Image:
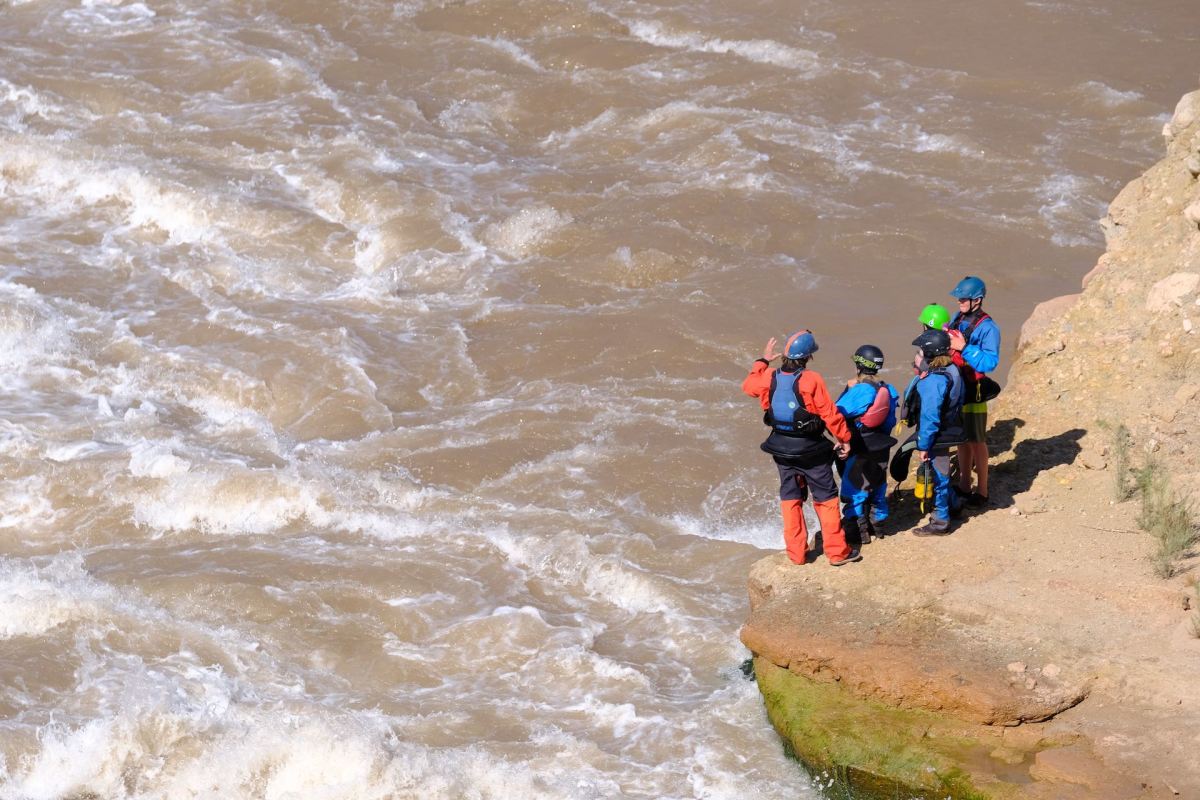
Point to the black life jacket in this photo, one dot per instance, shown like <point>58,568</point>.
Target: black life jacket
<point>796,433</point>
<point>950,425</point>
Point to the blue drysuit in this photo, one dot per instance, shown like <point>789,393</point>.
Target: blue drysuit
<point>864,480</point>
<point>938,427</point>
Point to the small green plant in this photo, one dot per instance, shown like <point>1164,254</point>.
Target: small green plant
<point>1166,516</point>
<point>1122,488</point>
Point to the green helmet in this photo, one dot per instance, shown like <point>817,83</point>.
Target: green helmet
<point>934,316</point>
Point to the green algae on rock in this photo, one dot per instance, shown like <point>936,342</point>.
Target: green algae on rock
<point>872,751</point>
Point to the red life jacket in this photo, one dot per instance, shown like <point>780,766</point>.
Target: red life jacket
<point>969,376</point>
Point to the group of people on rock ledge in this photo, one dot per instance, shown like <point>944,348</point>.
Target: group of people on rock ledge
<point>946,404</point>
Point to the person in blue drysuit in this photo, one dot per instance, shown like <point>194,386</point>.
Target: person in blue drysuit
<point>933,405</point>
<point>869,405</point>
<point>975,348</point>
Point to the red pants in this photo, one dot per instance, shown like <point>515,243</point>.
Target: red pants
<point>795,532</point>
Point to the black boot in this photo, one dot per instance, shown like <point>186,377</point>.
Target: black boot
<point>858,531</point>
<point>935,527</point>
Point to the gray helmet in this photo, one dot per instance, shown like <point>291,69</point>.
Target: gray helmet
<point>933,343</point>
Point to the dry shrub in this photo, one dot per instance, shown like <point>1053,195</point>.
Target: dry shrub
<point>1166,516</point>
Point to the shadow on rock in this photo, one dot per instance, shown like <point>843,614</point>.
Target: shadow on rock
<point>1031,457</point>
<point>1001,435</point>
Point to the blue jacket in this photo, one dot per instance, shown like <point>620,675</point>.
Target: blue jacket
<point>982,351</point>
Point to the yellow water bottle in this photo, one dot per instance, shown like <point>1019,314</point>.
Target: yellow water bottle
<point>924,487</point>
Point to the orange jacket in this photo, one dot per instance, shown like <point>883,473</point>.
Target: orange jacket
<point>812,391</point>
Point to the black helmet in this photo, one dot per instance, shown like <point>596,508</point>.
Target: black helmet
<point>933,343</point>
<point>868,358</point>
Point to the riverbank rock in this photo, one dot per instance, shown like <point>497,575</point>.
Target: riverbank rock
<point>1034,654</point>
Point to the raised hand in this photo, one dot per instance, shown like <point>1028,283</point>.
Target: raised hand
<point>771,350</point>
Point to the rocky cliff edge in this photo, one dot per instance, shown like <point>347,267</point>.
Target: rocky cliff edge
<point>1036,652</point>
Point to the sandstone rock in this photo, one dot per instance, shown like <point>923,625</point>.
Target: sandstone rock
<point>1044,314</point>
<point>1101,266</point>
<point>941,669</point>
<point>1051,670</point>
<point>1192,213</point>
<point>1034,354</point>
<point>1017,666</point>
<point>1187,111</point>
<point>1193,165</point>
<point>1077,765</point>
<point>1171,290</point>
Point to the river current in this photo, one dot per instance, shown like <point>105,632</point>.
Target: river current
<point>369,410</point>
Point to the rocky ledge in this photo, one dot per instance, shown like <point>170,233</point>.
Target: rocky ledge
<point>1035,653</point>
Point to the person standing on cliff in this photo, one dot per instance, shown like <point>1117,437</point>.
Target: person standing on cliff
<point>869,405</point>
<point>797,407</point>
<point>933,405</point>
<point>975,348</point>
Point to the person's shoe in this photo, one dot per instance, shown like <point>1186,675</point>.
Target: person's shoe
<point>854,556</point>
<point>976,500</point>
<point>861,528</point>
<point>935,527</point>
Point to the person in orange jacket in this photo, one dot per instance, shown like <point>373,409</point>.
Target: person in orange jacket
<point>799,410</point>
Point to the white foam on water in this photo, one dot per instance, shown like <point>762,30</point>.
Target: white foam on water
<point>24,506</point>
<point>566,560</point>
<point>35,600</point>
<point>25,102</point>
<point>1110,97</point>
<point>150,460</point>
<point>942,143</point>
<point>67,183</point>
<point>32,332</point>
<point>229,501</point>
<point>621,720</point>
<point>765,535</point>
<point>513,51</point>
<point>250,752</point>
<point>762,51</point>
<point>112,17</point>
<point>75,451</point>
<point>1064,200</point>
<point>585,666</point>
<point>600,125</point>
<point>519,235</point>
<point>432,597</point>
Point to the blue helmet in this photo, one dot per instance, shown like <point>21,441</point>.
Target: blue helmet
<point>969,287</point>
<point>800,344</point>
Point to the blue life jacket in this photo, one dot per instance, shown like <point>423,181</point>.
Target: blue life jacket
<point>788,415</point>
<point>797,435</point>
